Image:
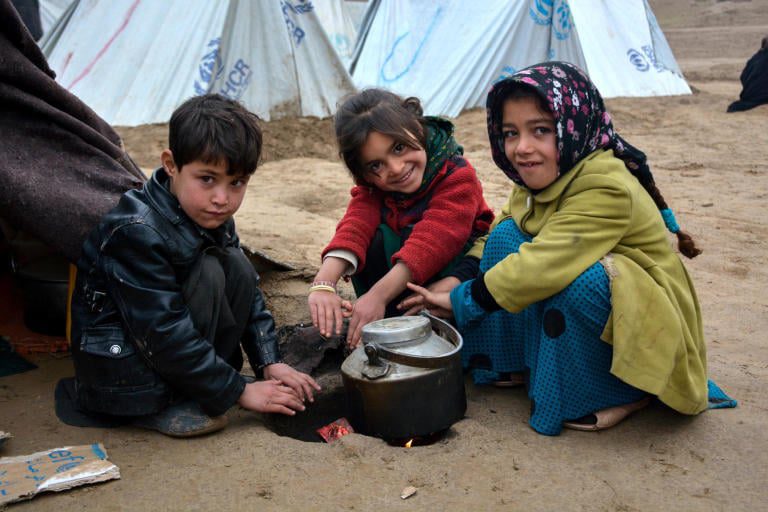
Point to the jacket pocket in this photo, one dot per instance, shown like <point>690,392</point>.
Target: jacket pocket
<point>106,360</point>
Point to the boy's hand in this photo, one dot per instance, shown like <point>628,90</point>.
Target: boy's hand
<point>438,302</point>
<point>367,309</point>
<point>325,308</point>
<point>270,396</point>
<point>416,302</point>
<point>301,383</point>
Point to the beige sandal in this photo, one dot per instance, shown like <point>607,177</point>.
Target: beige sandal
<point>607,418</point>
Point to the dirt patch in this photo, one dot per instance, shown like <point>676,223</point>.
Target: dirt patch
<point>290,137</point>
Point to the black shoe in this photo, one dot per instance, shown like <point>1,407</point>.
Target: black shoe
<point>185,419</point>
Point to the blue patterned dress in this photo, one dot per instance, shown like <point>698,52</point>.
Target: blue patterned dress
<point>555,341</point>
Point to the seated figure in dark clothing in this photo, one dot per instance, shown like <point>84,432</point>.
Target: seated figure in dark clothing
<point>29,10</point>
<point>754,80</point>
<point>165,298</point>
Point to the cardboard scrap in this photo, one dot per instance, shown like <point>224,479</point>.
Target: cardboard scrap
<point>23,477</point>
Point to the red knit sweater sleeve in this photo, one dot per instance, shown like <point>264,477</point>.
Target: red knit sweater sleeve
<point>355,230</point>
<point>456,207</point>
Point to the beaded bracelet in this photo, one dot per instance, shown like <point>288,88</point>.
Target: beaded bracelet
<point>323,283</point>
<point>322,288</point>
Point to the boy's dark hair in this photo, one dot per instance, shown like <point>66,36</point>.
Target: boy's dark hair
<point>380,111</point>
<point>212,128</point>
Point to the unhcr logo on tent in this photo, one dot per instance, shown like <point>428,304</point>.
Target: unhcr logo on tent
<point>238,79</point>
<point>564,25</point>
<point>645,59</point>
<point>210,67</point>
<point>211,70</point>
<point>543,13</point>
<point>296,32</point>
<point>342,44</point>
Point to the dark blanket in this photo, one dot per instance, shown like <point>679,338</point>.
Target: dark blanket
<point>61,166</point>
<point>754,80</point>
<point>29,10</point>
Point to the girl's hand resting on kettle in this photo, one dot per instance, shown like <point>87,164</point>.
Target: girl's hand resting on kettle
<point>436,299</point>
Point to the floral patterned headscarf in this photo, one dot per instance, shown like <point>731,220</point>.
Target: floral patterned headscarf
<point>583,126</point>
<point>582,122</point>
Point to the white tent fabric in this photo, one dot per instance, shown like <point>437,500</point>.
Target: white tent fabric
<point>51,11</point>
<point>449,52</point>
<point>335,18</point>
<point>356,10</point>
<point>135,61</point>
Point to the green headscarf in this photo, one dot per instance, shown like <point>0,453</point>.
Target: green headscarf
<point>440,146</point>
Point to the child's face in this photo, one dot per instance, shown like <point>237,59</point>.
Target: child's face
<point>392,166</point>
<point>206,193</point>
<point>530,142</point>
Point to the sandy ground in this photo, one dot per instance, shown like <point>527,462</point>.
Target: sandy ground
<point>710,166</point>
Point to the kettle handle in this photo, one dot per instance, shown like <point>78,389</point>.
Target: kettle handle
<point>443,328</point>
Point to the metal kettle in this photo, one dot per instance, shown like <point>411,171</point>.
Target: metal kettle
<point>405,379</point>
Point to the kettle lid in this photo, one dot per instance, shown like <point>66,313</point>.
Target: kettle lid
<point>398,329</point>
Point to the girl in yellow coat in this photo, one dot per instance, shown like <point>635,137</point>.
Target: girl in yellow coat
<point>576,291</point>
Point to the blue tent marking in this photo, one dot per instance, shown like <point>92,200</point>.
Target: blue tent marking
<point>416,53</point>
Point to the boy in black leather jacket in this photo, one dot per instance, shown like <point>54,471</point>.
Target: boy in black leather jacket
<point>165,297</point>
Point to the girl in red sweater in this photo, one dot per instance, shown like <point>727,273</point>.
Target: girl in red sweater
<point>416,207</point>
